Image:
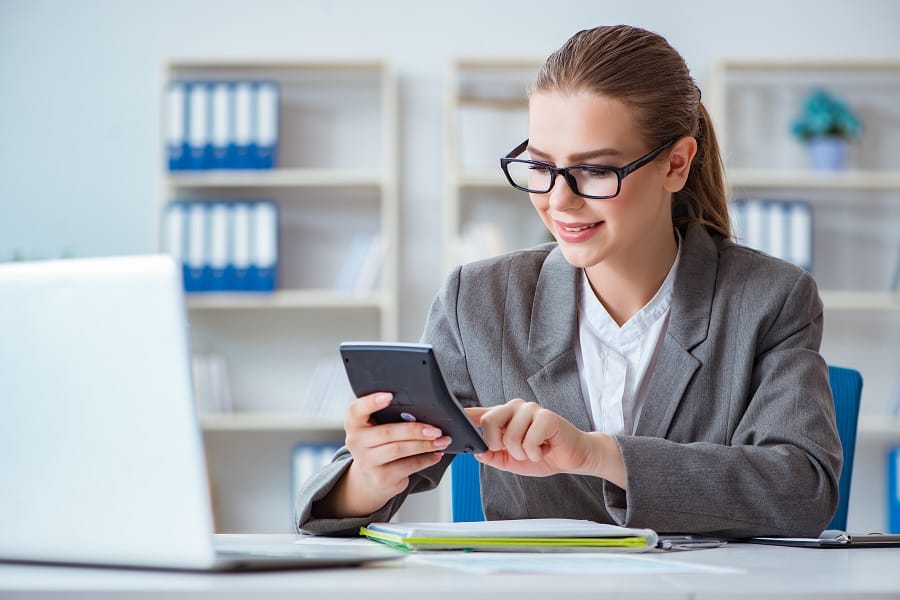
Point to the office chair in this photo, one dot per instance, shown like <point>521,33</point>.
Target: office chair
<point>846,387</point>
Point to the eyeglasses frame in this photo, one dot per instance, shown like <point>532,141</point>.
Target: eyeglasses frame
<point>621,172</point>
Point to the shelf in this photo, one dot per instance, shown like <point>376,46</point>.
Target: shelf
<point>875,427</point>
<point>860,300</point>
<point>483,178</point>
<point>804,179</point>
<point>287,299</point>
<point>276,178</point>
<point>270,422</point>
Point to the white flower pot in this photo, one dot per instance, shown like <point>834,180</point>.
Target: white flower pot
<point>827,154</point>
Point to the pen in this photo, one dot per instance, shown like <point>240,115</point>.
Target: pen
<point>689,542</point>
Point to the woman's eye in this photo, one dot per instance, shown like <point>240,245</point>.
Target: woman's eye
<point>596,173</point>
<point>538,168</point>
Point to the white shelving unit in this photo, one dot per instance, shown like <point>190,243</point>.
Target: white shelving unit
<point>486,110</point>
<point>856,222</point>
<point>336,178</point>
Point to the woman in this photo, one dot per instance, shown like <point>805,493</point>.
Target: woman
<point>643,370</point>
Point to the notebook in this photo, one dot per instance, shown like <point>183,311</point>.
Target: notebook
<point>522,535</point>
<point>102,454</point>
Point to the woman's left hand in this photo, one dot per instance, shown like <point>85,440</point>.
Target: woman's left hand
<point>527,439</point>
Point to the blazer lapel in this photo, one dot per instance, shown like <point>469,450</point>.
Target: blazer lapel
<point>688,326</point>
<point>552,337</point>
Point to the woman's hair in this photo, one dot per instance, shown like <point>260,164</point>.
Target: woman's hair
<point>640,69</point>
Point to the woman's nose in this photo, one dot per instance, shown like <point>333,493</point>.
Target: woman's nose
<point>562,197</point>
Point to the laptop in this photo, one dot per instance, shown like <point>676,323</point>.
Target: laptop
<point>102,454</point>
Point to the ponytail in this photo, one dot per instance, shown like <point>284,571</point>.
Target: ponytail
<point>703,198</point>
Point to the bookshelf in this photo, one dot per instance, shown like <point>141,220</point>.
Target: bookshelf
<point>335,179</point>
<point>486,114</point>
<point>856,222</point>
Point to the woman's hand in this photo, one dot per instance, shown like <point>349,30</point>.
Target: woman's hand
<point>526,439</point>
<point>384,456</point>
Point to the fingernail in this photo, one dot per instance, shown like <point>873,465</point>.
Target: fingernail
<point>431,432</point>
<point>443,442</point>
<point>384,397</point>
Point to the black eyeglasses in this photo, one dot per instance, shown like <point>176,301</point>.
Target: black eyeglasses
<point>588,181</point>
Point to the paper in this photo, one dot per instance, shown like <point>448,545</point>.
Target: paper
<point>592,563</point>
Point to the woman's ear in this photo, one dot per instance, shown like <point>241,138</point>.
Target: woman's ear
<point>679,166</point>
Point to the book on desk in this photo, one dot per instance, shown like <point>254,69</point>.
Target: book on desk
<point>525,535</point>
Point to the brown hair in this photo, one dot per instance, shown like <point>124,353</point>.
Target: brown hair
<point>641,69</point>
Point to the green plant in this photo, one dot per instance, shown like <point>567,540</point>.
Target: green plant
<point>825,116</point>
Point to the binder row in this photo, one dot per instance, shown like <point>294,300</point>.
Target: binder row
<point>222,125</point>
<point>780,228</point>
<point>224,245</point>
<point>306,459</point>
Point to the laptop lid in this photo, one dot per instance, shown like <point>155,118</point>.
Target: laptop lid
<point>102,455</point>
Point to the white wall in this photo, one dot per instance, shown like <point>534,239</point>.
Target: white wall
<point>80,156</point>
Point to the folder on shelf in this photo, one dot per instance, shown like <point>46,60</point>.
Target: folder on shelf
<point>219,247</point>
<point>265,144</point>
<point>176,126</point>
<point>239,270</point>
<point>199,139</point>
<point>221,132</point>
<point>243,119</point>
<point>524,535</point>
<point>196,255</point>
<point>264,253</point>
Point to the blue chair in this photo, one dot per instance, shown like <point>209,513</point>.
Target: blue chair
<point>846,387</point>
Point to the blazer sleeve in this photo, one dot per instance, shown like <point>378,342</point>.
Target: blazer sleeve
<point>442,331</point>
<point>777,475</point>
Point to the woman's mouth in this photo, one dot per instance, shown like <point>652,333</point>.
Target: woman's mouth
<point>576,232</point>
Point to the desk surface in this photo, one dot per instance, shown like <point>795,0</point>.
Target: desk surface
<point>754,571</point>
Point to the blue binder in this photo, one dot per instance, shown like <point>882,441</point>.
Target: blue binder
<point>265,145</point>
<point>176,126</point>
<point>264,249</point>
<point>221,131</point>
<point>196,256</point>
<point>241,243</point>
<point>219,250</point>
<point>199,138</point>
<point>243,126</point>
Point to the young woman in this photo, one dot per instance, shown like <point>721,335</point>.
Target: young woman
<point>643,370</point>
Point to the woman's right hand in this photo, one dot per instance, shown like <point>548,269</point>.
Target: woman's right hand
<point>384,456</point>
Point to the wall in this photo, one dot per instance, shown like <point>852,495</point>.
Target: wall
<point>80,84</point>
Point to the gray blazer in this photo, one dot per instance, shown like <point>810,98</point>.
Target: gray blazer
<point>737,435</point>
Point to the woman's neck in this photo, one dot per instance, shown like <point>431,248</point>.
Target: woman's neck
<point>625,284</point>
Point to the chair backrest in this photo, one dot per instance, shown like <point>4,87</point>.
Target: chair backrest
<point>846,387</point>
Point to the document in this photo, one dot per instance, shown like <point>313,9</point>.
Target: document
<point>834,539</point>
<point>518,535</point>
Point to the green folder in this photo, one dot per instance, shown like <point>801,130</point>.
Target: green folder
<point>519,535</point>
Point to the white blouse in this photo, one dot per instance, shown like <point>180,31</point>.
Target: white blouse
<point>614,362</point>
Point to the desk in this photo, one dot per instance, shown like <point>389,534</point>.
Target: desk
<point>768,571</point>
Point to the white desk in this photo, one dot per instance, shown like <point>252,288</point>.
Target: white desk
<point>766,571</point>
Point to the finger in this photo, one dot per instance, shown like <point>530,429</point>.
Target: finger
<point>390,453</point>
<point>361,408</point>
<point>475,413</point>
<point>544,425</point>
<point>493,423</point>
<point>364,439</point>
<point>517,428</point>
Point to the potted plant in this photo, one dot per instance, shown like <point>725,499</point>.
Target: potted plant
<point>826,125</point>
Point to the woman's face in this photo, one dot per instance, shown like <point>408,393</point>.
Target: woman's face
<point>586,128</point>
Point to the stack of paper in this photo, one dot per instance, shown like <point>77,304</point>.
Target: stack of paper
<point>525,535</point>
